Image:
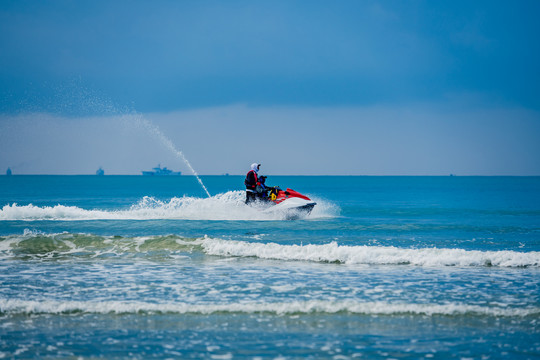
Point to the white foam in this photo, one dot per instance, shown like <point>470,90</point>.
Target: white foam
<point>327,253</point>
<point>19,306</point>
<point>58,212</point>
<point>373,255</point>
<point>225,206</point>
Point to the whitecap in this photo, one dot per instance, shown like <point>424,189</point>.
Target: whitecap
<point>371,255</point>
<point>20,306</point>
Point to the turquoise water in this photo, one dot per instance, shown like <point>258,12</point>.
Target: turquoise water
<point>384,267</point>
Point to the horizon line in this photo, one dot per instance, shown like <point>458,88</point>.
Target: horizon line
<point>342,175</point>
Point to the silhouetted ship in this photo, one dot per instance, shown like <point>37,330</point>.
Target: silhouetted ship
<point>161,171</point>
<point>100,172</point>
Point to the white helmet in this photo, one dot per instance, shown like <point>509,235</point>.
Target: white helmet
<point>255,167</point>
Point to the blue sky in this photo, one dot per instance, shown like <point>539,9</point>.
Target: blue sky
<point>354,87</point>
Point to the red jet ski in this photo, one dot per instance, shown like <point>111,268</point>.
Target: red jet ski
<point>289,201</point>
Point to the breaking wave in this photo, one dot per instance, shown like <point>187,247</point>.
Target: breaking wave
<point>373,255</point>
<point>226,206</point>
<point>34,245</point>
<point>16,306</point>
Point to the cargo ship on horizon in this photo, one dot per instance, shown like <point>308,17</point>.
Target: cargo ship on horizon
<point>161,171</point>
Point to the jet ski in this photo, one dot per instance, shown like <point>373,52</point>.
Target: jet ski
<point>289,202</point>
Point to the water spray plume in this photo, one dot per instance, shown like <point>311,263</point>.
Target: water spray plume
<point>154,130</point>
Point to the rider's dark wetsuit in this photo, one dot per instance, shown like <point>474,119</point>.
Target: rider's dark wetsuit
<point>251,186</point>
<point>251,182</point>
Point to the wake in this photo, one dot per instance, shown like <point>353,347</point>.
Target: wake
<point>225,206</point>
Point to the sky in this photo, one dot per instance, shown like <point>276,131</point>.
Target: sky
<point>303,87</point>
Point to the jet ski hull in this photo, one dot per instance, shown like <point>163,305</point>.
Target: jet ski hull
<point>291,204</point>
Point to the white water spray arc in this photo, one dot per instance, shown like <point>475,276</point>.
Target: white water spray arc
<point>154,130</point>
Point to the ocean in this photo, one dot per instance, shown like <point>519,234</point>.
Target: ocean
<point>384,267</point>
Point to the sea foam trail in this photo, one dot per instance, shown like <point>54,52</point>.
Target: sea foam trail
<point>16,306</point>
<point>372,255</point>
<point>225,206</point>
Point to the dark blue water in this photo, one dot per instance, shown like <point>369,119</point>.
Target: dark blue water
<point>384,267</point>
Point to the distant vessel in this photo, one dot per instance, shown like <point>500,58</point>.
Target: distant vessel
<point>100,172</point>
<point>161,171</point>
<point>8,172</point>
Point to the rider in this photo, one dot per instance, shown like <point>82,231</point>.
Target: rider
<point>251,183</point>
